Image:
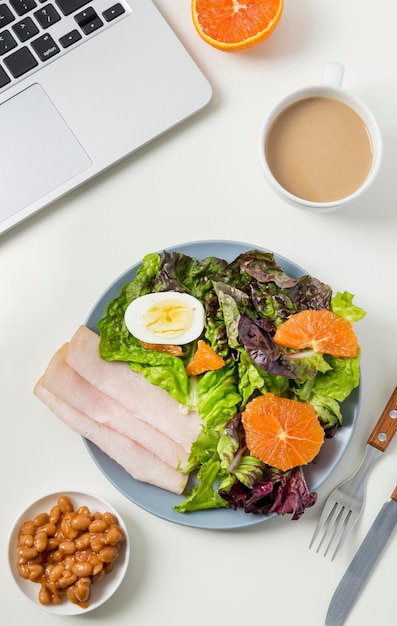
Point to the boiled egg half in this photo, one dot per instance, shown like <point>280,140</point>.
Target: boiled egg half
<point>166,317</point>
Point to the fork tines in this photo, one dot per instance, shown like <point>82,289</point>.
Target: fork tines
<point>336,522</point>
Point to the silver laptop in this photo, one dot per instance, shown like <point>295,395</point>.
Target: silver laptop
<point>82,85</point>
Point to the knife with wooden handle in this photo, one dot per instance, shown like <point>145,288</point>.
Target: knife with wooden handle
<point>357,573</point>
<point>386,426</point>
<point>377,443</point>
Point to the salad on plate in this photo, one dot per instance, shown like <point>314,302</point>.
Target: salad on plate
<point>246,301</point>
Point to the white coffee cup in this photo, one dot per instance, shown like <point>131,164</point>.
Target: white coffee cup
<point>310,183</point>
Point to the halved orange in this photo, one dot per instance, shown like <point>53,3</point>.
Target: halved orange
<point>236,24</point>
<point>204,360</point>
<point>321,330</point>
<point>281,432</point>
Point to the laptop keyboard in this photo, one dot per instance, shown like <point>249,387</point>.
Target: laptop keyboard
<point>36,32</point>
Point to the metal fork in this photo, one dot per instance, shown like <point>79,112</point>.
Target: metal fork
<point>345,503</point>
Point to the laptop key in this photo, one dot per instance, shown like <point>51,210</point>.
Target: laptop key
<point>4,78</point>
<point>20,62</point>
<point>6,15</point>
<point>25,29</point>
<point>70,38</point>
<point>68,6</point>
<point>45,47</point>
<point>47,16</point>
<point>23,6</point>
<point>115,11</point>
<point>88,21</point>
<point>7,42</point>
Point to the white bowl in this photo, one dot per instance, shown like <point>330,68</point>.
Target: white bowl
<point>102,590</point>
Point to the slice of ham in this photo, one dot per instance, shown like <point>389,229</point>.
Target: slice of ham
<point>147,402</point>
<point>65,383</point>
<point>139,462</point>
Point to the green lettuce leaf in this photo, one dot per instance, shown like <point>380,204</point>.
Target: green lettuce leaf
<point>328,411</point>
<point>340,380</point>
<point>342,304</point>
<point>234,456</point>
<point>205,494</point>
<point>217,396</point>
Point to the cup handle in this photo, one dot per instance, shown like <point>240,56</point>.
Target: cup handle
<point>333,74</point>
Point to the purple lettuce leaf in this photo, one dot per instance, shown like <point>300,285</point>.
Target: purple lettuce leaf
<point>262,350</point>
<point>263,267</point>
<point>281,493</point>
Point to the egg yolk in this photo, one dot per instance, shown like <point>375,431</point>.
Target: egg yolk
<point>169,318</point>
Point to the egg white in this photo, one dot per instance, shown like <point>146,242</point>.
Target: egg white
<point>134,317</point>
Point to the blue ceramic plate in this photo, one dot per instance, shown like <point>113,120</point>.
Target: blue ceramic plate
<point>160,502</point>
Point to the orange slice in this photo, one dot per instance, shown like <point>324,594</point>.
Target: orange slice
<point>236,24</point>
<point>323,331</point>
<point>282,433</point>
<point>204,360</point>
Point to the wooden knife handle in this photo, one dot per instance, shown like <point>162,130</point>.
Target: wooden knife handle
<point>394,494</point>
<point>386,426</point>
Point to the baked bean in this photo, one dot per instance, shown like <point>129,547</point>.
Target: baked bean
<point>114,535</point>
<point>40,519</point>
<point>97,564</point>
<point>98,526</point>
<point>66,580</point>
<point>56,598</point>
<point>84,510</point>
<point>67,551</point>
<point>68,561</point>
<point>67,547</point>
<point>109,518</point>
<point>49,528</point>
<point>52,543</point>
<point>28,528</point>
<point>82,589</point>
<point>55,573</point>
<point>48,567</point>
<point>65,504</point>
<point>84,568</point>
<point>44,595</point>
<point>84,555</point>
<point>23,570</point>
<point>83,541</point>
<point>52,588</point>
<point>55,514</point>
<point>36,571</point>
<point>71,594</point>
<point>56,556</point>
<point>108,554</point>
<point>40,541</point>
<point>38,558</point>
<point>26,541</point>
<point>66,527</point>
<point>97,541</point>
<point>27,553</point>
<point>81,521</point>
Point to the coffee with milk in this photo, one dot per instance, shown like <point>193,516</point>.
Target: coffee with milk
<point>319,149</point>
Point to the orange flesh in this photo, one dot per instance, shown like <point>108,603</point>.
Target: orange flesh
<point>234,24</point>
<point>282,433</point>
<point>204,360</point>
<point>323,331</point>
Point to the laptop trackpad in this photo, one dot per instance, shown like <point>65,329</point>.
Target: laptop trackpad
<point>38,150</point>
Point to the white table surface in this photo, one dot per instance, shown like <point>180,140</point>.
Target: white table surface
<point>203,181</point>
